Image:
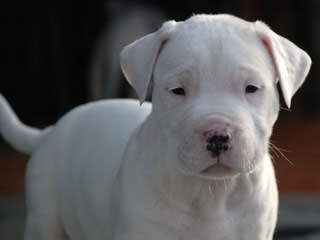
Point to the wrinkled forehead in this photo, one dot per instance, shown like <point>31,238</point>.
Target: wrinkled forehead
<point>209,45</point>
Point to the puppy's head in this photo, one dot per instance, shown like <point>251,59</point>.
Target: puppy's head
<point>213,81</point>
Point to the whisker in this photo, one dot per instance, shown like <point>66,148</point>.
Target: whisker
<point>279,152</point>
<point>272,148</point>
<point>272,158</point>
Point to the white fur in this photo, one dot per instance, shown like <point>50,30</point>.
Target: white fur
<point>114,170</point>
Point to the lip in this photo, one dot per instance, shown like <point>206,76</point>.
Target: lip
<point>217,167</point>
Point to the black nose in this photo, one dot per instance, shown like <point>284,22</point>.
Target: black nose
<point>218,143</point>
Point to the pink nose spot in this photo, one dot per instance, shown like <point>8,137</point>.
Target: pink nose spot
<point>223,134</point>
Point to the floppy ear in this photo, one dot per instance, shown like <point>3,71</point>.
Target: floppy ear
<point>292,64</point>
<point>138,59</point>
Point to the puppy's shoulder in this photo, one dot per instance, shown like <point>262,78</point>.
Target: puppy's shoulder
<point>121,114</point>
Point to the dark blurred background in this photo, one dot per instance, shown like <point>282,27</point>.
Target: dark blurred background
<point>57,54</point>
<point>46,46</point>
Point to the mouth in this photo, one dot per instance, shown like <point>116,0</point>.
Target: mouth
<point>216,167</point>
<point>218,171</point>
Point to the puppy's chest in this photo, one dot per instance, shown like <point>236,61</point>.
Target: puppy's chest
<point>208,224</point>
<point>203,223</point>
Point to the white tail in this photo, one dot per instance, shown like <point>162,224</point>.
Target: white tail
<point>18,135</point>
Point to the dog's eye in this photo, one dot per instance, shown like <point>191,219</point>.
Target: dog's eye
<point>178,91</point>
<point>251,89</point>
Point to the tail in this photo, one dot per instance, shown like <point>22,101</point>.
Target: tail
<point>18,135</point>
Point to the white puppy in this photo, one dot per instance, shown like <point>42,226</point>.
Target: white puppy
<point>195,166</point>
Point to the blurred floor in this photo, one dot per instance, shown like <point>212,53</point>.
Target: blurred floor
<point>299,181</point>
<point>12,217</point>
<point>299,217</point>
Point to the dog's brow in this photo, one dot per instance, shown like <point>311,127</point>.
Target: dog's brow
<point>249,72</point>
<point>181,75</point>
<point>185,74</point>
